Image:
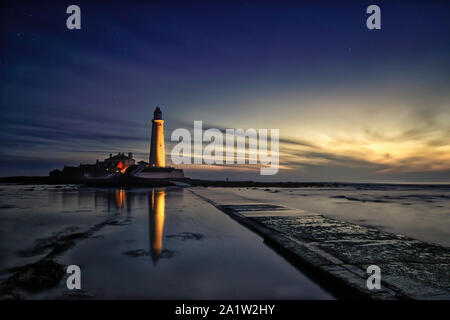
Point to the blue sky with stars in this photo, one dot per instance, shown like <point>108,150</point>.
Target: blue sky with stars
<point>351,104</point>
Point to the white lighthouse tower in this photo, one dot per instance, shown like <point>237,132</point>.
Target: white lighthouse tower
<point>156,168</point>
<point>157,151</point>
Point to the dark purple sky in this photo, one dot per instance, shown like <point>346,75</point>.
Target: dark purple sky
<point>350,103</point>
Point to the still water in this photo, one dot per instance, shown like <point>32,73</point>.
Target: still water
<point>420,212</point>
<point>144,244</point>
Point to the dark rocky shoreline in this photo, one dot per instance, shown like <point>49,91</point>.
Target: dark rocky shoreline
<point>337,253</point>
<point>129,181</point>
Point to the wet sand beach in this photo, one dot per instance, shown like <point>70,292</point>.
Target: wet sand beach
<point>138,243</point>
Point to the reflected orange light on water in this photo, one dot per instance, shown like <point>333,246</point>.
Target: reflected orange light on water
<point>156,217</point>
<point>120,198</point>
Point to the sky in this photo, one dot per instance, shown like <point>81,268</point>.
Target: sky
<point>351,104</point>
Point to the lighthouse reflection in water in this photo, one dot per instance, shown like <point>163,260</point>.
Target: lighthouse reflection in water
<point>156,222</point>
<point>156,215</point>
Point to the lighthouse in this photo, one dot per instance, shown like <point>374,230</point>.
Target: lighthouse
<point>157,151</point>
<point>156,168</point>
